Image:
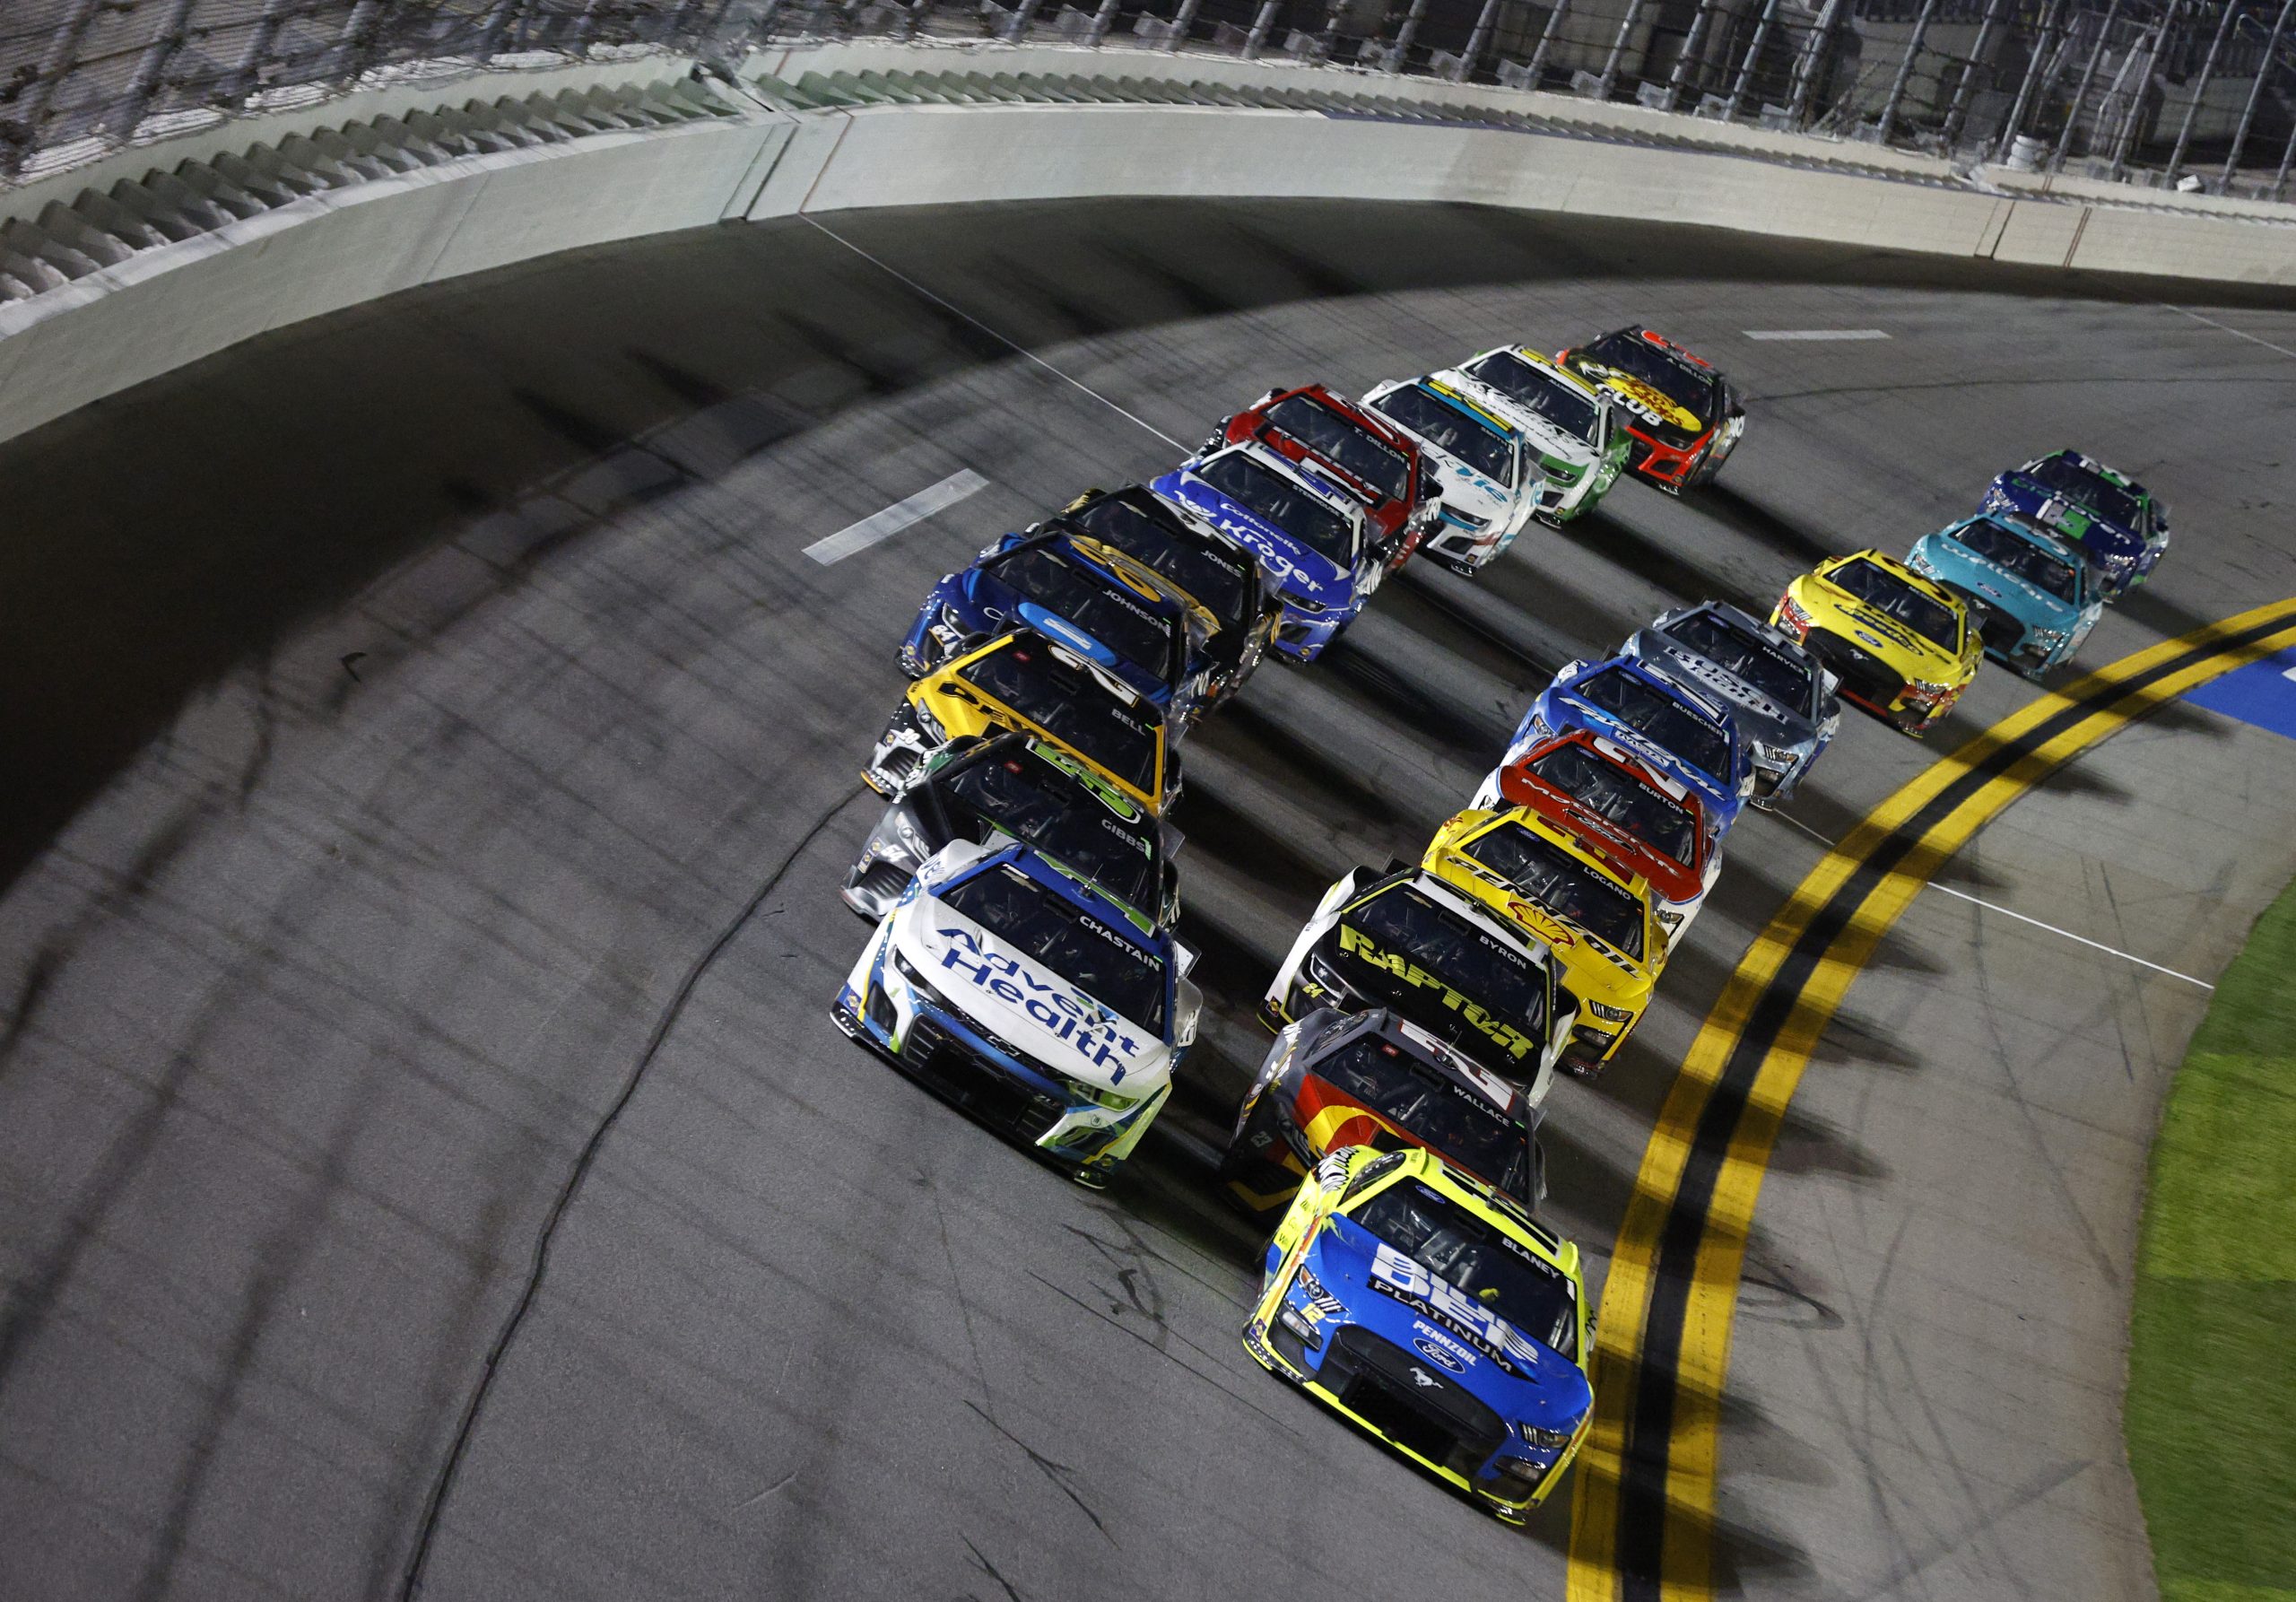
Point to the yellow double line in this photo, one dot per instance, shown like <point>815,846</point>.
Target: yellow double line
<point>1643,1513</point>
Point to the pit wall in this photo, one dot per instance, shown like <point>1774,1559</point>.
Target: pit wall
<point>178,302</point>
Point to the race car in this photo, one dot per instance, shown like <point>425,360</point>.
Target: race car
<point>1901,645</point>
<point>1574,432</point>
<point>1594,914</point>
<point>2114,520</point>
<point>1650,825</point>
<point>1338,1079</point>
<point>1214,575</point>
<point>1782,701</point>
<point>1014,990</point>
<point>1683,417</point>
<point>1023,681</point>
<point>1096,601</point>
<point>1361,453</point>
<point>1309,538</point>
<point>1491,482</point>
<point>1016,787</point>
<point>1435,1312</point>
<point>1685,733</point>
<point>1407,941</point>
<point>2033,600</point>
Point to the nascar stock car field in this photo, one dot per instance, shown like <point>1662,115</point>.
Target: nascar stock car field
<point>981,999</point>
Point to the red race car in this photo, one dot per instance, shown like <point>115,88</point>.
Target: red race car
<point>1357,451</point>
<point>1682,416</point>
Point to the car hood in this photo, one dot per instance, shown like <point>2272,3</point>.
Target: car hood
<point>985,591</point>
<point>1964,568</point>
<point>1470,491</point>
<point>1290,566</point>
<point>1757,716</point>
<point>1463,1342</point>
<point>1645,400</point>
<point>1560,709</point>
<point>1025,1004</point>
<point>1425,999</point>
<point>2062,517</point>
<point>1872,627</point>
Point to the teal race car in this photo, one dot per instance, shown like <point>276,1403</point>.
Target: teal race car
<point>2033,598</point>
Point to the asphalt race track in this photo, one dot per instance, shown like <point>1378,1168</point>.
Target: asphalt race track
<point>431,758</point>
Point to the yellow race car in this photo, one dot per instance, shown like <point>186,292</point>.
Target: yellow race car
<point>1434,1311</point>
<point>1023,681</point>
<point>1593,912</point>
<point>1903,648</point>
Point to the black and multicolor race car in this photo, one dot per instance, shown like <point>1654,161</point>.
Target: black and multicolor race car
<point>1682,415</point>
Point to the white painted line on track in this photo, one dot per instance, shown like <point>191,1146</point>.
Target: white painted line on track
<point>997,335</point>
<point>1978,901</point>
<point>2228,328</point>
<point>1815,334</point>
<point>856,537</point>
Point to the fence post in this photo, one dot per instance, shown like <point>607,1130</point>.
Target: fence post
<point>1752,58</point>
<point>2255,92</point>
<point>1256,39</point>
<point>1805,66</point>
<point>56,63</point>
<point>1103,20</point>
<point>1905,70</point>
<point>490,34</point>
<point>1691,42</point>
<point>1545,46</point>
<point>2088,77</point>
<point>1405,34</point>
<point>1958,112</point>
<point>1618,46</point>
<point>2199,92</point>
<point>151,69</point>
<point>1479,38</point>
<point>1023,16</point>
<point>2136,112</point>
<point>2040,63</point>
<point>1182,23</point>
<point>2287,157</point>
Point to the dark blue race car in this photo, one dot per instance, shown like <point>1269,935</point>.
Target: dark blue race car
<point>2113,520</point>
<point>1077,593</point>
<point>1681,734</point>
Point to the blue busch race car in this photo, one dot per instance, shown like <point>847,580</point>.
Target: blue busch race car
<point>1685,733</point>
<point>1782,701</point>
<point>1308,535</point>
<point>1433,1311</point>
<point>1076,592</point>
<point>2113,520</point>
<point>2032,599</point>
<point>1015,990</point>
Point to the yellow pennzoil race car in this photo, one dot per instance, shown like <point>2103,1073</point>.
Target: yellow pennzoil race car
<point>1596,916</point>
<point>1023,681</point>
<point>1902,645</point>
<point>1434,1311</point>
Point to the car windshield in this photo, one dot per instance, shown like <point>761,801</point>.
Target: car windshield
<point>1539,392</point>
<point>1619,796</point>
<point>1430,1106</point>
<point>2084,488</point>
<point>1561,884</point>
<point>1686,386</point>
<point>1075,708</point>
<point>1100,608</point>
<point>1090,827</point>
<point>1887,593</point>
<point>1219,581</point>
<point>1360,453</point>
<point>1450,975</point>
<point>1269,495</point>
<point>1080,948</point>
<point>1747,656</point>
<point>1452,430</point>
<point>1675,727</point>
<point>1474,1255</point>
<point>2010,551</point>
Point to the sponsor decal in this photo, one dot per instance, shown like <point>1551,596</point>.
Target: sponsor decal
<point>1503,1035</point>
<point>1108,795</point>
<point>1278,551</point>
<point>1420,1376</point>
<point>1452,1310</point>
<point>1441,1349</point>
<point>1069,1015</point>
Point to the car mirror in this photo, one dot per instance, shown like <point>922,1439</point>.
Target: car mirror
<point>1186,1014</point>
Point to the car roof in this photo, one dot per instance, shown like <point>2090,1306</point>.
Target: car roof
<point>1438,1172</point>
<point>1072,887</point>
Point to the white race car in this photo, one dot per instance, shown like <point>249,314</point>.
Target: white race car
<point>1569,425</point>
<point>1491,478</point>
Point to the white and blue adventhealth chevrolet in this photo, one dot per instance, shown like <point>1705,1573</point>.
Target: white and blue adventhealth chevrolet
<point>1308,534</point>
<point>1012,989</point>
<point>1491,478</point>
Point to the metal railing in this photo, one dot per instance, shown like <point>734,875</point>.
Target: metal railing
<point>2201,90</point>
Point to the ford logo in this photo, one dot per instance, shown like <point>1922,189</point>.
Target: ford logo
<point>1439,1356</point>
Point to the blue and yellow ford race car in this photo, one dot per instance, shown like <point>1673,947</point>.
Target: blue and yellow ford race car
<point>2114,520</point>
<point>1678,731</point>
<point>2032,599</point>
<point>1079,592</point>
<point>1435,1312</point>
<point>1014,989</point>
<point>1308,535</point>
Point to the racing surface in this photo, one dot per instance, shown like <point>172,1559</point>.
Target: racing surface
<point>432,761</point>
